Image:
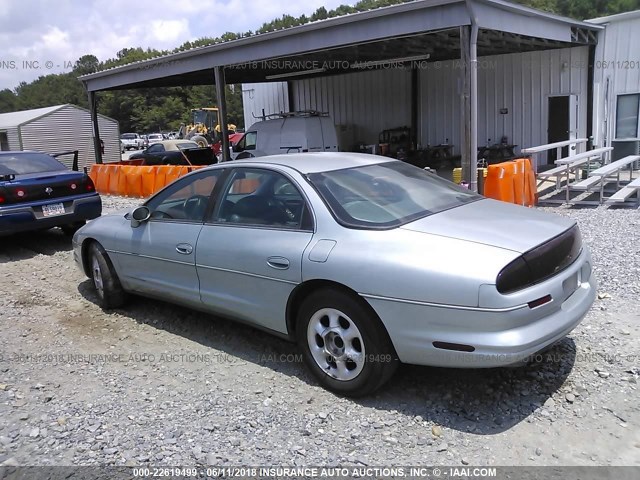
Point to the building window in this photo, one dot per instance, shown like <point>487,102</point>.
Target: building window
<point>627,116</point>
<point>4,142</point>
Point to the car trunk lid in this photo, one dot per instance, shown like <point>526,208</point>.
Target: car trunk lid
<point>44,186</point>
<point>494,223</point>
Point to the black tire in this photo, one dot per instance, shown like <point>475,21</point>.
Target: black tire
<point>378,358</point>
<point>105,280</point>
<point>200,140</point>
<point>72,228</point>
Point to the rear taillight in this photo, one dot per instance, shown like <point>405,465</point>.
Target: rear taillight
<point>89,186</point>
<point>541,263</point>
<point>514,276</point>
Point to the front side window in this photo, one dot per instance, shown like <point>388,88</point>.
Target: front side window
<point>185,200</point>
<point>627,111</point>
<point>248,142</point>
<point>386,195</point>
<point>264,198</point>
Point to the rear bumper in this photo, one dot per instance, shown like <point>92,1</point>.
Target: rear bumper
<point>30,217</point>
<point>499,337</point>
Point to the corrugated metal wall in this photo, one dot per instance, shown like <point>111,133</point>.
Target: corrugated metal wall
<point>521,83</point>
<point>270,97</point>
<point>69,128</point>
<point>370,102</point>
<point>616,69</point>
<point>365,103</point>
<point>13,138</point>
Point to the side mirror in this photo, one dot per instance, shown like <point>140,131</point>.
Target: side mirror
<point>236,148</point>
<point>139,215</point>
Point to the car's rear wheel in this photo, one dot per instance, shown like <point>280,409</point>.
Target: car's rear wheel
<point>72,228</point>
<point>105,279</point>
<point>344,344</point>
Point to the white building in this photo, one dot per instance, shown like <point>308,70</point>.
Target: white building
<point>58,129</point>
<point>531,98</point>
<point>517,93</point>
<point>617,84</point>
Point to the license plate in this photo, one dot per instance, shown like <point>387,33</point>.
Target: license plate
<point>53,209</point>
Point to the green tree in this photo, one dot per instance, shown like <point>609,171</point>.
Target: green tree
<point>8,101</point>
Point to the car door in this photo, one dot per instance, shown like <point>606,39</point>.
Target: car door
<point>160,253</point>
<point>249,253</point>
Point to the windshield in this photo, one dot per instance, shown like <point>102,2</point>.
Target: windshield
<point>206,117</point>
<point>25,163</point>
<point>387,195</point>
<point>155,136</point>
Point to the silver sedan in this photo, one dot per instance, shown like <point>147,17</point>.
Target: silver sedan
<point>364,261</point>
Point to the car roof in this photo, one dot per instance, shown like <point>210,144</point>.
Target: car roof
<point>319,161</point>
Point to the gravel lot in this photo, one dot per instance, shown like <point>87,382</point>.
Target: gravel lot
<point>161,385</point>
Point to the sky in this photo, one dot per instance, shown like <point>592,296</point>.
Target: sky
<point>39,37</point>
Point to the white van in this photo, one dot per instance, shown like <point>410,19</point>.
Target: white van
<point>289,133</point>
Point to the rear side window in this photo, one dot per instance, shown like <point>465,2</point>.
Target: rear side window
<point>27,163</point>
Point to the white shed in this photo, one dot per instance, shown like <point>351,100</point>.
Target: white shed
<point>58,129</point>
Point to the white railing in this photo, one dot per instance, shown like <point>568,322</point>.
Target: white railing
<point>531,151</point>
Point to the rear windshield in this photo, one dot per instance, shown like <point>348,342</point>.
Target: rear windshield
<point>25,163</point>
<point>128,136</point>
<point>187,145</point>
<point>387,195</point>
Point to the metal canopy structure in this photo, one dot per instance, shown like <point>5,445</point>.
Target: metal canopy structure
<point>391,37</point>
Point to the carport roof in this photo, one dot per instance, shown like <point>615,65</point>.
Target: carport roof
<point>420,30</point>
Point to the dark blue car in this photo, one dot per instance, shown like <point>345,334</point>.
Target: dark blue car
<point>38,192</point>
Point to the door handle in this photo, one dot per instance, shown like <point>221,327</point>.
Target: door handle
<point>184,248</point>
<point>279,263</point>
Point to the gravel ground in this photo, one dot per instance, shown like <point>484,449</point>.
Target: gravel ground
<point>161,385</point>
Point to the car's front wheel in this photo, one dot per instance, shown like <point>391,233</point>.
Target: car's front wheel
<point>344,344</point>
<point>105,278</point>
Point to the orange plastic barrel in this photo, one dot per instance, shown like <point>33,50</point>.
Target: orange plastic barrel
<point>173,173</point>
<point>518,181</point>
<point>531,190</point>
<point>160,178</point>
<point>93,172</point>
<point>133,175</point>
<point>102,179</point>
<point>499,182</point>
<point>114,179</point>
<point>148,180</point>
